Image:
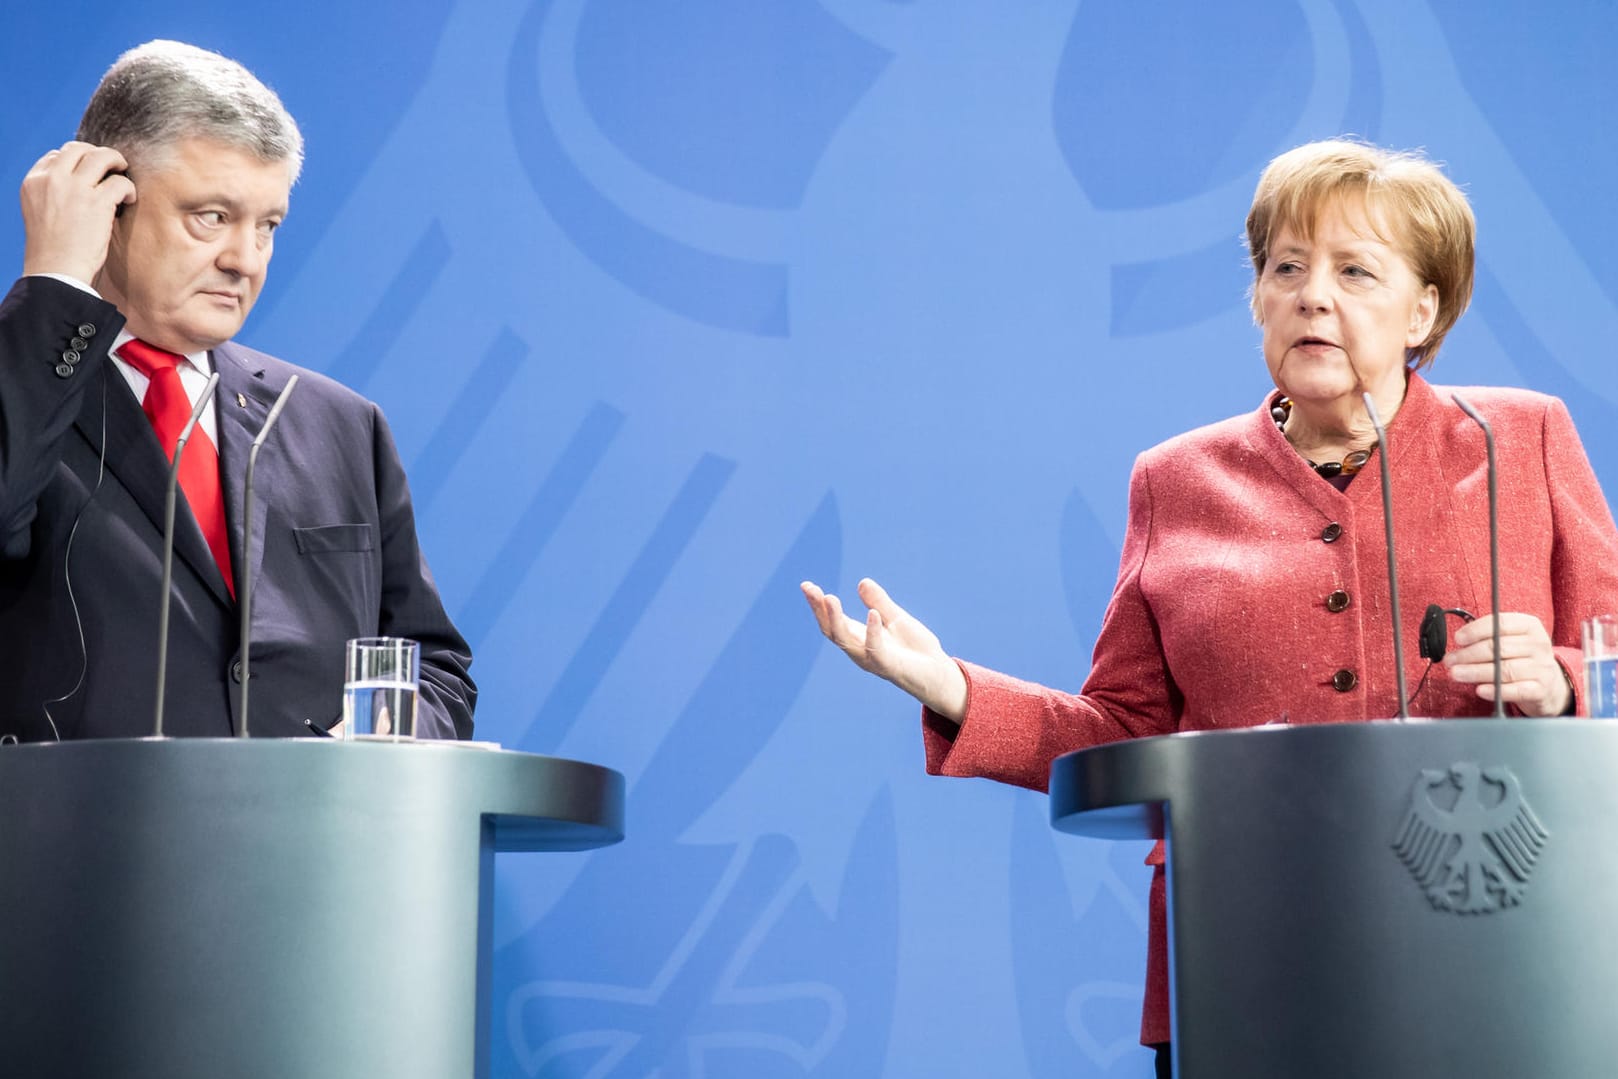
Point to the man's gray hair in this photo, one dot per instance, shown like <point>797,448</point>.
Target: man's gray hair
<point>161,92</point>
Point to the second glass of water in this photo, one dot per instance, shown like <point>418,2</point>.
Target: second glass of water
<point>1601,666</point>
<point>380,685</point>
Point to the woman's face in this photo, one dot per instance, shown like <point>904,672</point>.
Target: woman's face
<point>1339,310</point>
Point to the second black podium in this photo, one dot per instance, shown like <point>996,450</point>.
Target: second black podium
<point>1377,899</point>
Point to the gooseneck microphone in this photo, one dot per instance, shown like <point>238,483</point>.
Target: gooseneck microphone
<point>1494,543</point>
<point>164,601</point>
<point>1393,562</point>
<point>246,598</point>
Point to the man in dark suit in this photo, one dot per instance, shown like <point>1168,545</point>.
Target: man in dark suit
<point>148,240</point>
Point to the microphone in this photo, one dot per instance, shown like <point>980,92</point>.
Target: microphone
<point>1494,543</point>
<point>1393,564</point>
<point>165,600</point>
<point>1434,634</point>
<point>247,543</point>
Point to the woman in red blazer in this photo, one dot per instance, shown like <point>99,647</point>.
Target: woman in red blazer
<point>1362,262</point>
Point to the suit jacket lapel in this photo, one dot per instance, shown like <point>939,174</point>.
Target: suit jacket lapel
<point>134,458</point>
<point>243,402</point>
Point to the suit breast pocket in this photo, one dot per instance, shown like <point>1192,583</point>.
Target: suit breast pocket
<point>341,571</point>
<point>332,539</point>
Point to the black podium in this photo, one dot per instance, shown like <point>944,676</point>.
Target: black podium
<point>1427,898</point>
<point>293,909</point>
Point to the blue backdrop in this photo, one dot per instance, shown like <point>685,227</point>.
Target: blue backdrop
<point>672,305</point>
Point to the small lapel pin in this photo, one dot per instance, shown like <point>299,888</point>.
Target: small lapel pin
<point>241,400</point>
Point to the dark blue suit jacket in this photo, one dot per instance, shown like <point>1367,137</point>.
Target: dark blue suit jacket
<point>82,481</point>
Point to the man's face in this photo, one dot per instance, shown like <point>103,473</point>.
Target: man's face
<point>189,256</point>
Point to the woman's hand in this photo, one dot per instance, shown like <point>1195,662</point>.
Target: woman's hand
<point>1530,677</point>
<point>892,645</point>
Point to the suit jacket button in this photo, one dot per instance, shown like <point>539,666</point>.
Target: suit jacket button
<point>1337,601</point>
<point>78,344</point>
<point>64,370</point>
<point>86,329</point>
<point>236,672</point>
<point>71,356</point>
<point>1330,533</point>
<point>1344,680</point>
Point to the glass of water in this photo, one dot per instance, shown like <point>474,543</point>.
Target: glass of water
<point>380,685</point>
<point>1601,666</point>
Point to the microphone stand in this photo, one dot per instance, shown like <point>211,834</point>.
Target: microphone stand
<point>1494,544</point>
<point>247,543</point>
<point>164,601</point>
<point>1393,565</point>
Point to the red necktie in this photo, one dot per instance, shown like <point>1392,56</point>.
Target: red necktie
<point>168,407</point>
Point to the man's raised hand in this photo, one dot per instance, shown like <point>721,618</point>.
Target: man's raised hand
<point>69,201</point>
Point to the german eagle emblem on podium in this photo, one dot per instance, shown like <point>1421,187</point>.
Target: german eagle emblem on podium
<point>1470,838</point>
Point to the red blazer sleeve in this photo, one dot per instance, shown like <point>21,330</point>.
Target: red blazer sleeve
<point>1013,729</point>
<point>1584,551</point>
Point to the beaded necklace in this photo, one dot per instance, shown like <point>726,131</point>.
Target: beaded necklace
<point>1331,469</point>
